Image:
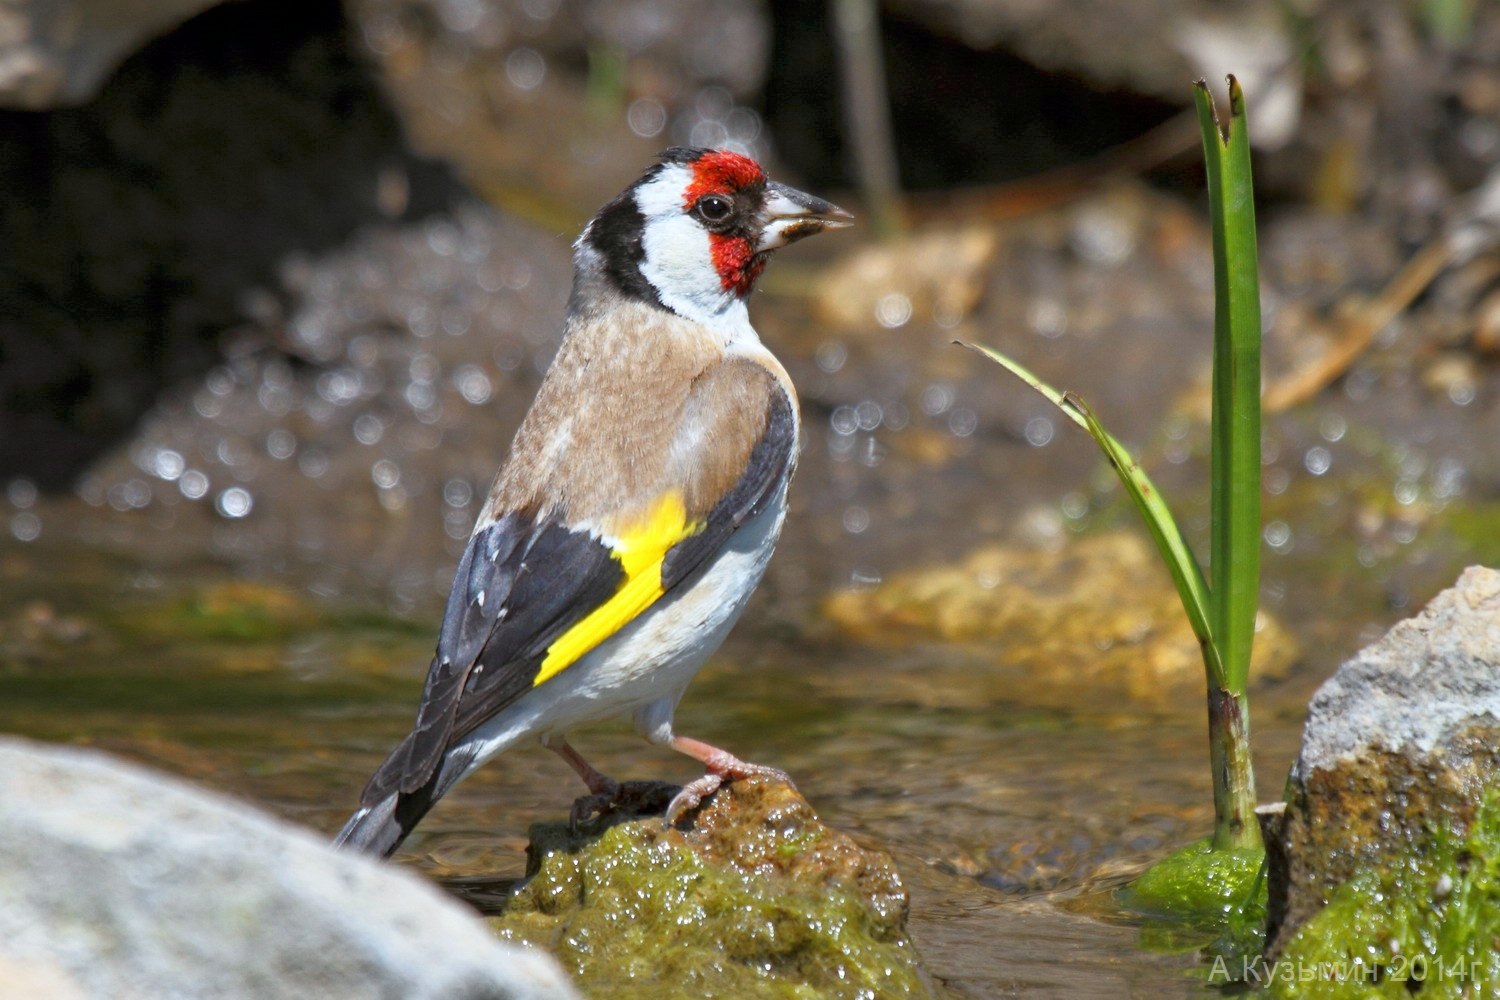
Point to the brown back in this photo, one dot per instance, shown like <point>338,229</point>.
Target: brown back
<point>638,402</point>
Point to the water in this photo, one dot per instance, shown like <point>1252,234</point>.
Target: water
<point>247,595</point>
<point>1008,819</point>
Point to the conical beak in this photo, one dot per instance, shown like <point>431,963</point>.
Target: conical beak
<point>789,215</point>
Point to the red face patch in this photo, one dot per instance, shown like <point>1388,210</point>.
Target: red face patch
<point>736,261</point>
<point>719,171</point>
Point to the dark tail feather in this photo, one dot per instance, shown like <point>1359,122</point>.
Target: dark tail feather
<point>379,828</point>
<point>386,816</point>
<point>374,829</point>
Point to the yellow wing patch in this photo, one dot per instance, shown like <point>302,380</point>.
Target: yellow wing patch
<point>640,547</point>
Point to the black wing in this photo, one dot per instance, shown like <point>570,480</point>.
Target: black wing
<point>519,585</point>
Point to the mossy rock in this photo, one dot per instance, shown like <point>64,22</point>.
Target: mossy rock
<point>756,898</point>
<point>1426,924</point>
<point>1400,747</point>
<point>1201,898</point>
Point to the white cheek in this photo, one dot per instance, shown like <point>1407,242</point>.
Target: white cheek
<point>679,259</point>
<point>679,264</point>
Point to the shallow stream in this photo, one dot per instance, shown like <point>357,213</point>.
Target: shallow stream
<point>277,653</point>
<point>1011,810</point>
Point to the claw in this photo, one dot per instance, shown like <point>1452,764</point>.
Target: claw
<point>691,797</point>
<point>722,766</point>
<point>624,798</point>
<point>595,805</point>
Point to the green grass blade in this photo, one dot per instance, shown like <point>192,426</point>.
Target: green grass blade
<point>1025,375</point>
<point>1187,575</point>
<point>1184,568</point>
<point>1234,564</point>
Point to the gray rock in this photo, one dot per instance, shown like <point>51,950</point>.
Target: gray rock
<point>1428,679</point>
<point>307,152</point>
<point>116,882</point>
<point>55,53</point>
<point>1403,740</point>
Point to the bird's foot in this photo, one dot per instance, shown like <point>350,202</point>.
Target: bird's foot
<point>722,766</point>
<point>604,791</point>
<point>597,804</point>
<point>622,798</point>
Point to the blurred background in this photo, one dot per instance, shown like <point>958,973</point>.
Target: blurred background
<point>279,280</point>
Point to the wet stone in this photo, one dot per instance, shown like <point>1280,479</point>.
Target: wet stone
<point>1089,612</point>
<point>1400,761</point>
<point>749,896</point>
<point>174,251</point>
<point>366,448</point>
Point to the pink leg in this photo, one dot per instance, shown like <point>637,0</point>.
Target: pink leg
<point>603,790</point>
<point>598,783</point>
<point>606,796</point>
<point>721,765</point>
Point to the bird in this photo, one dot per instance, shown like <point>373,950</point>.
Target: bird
<point>639,504</point>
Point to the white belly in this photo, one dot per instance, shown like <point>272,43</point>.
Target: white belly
<point>645,667</point>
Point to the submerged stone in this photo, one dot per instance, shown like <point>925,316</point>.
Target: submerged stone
<point>750,897</point>
<point>1401,748</point>
<point>1102,610</point>
<point>231,611</point>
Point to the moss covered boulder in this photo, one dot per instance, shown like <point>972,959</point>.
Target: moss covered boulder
<point>1426,924</point>
<point>1101,610</point>
<point>1387,856</point>
<point>752,896</point>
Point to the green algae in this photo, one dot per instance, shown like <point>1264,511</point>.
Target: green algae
<point>225,612</point>
<point>1202,898</point>
<point>780,908</point>
<point>244,612</point>
<point>1476,528</point>
<point>1427,924</point>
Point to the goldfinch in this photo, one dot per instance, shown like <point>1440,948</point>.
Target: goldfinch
<point>640,503</point>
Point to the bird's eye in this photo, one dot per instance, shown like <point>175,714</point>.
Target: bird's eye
<point>713,208</point>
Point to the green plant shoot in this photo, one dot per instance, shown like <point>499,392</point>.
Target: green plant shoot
<point>1235,560</point>
<point>1234,583</point>
<point>1174,551</point>
<point>1222,609</point>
